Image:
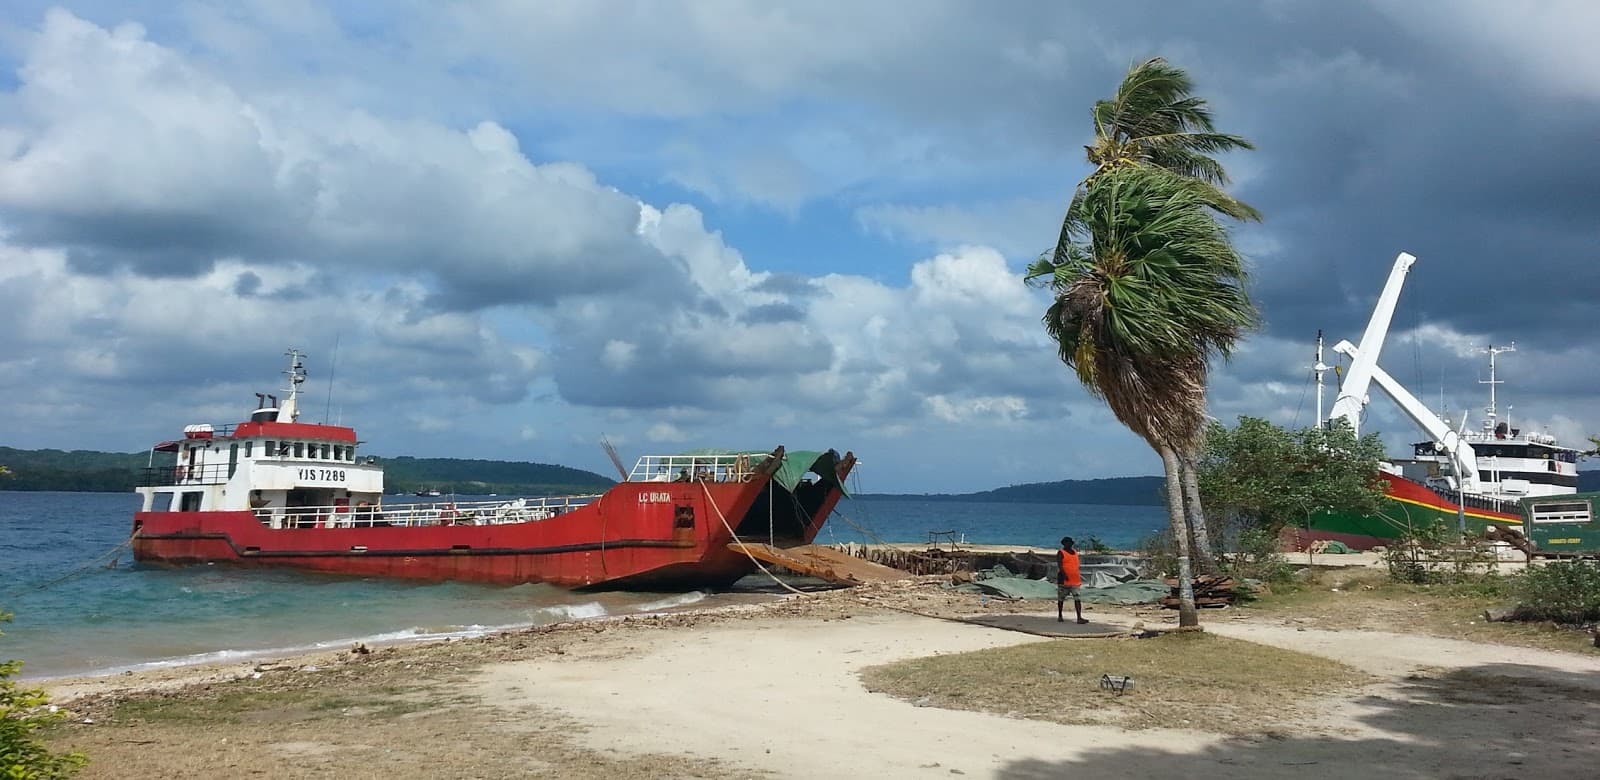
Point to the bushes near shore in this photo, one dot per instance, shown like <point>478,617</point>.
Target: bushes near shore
<point>1567,592</point>
<point>23,711</point>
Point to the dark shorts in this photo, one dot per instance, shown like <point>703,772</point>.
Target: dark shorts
<point>1064,592</point>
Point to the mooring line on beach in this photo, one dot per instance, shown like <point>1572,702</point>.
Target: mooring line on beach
<point>740,542</point>
<point>98,563</point>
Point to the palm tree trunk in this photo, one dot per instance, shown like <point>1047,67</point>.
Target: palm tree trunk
<point>1197,518</point>
<point>1187,616</point>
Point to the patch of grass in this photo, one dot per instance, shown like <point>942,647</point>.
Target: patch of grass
<point>246,702</point>
<point>1181,680</point>
<point>1368,599</point>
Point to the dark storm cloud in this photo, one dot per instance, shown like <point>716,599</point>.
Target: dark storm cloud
<point>774,313</point>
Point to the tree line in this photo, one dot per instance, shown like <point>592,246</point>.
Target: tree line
<point>115,472</point>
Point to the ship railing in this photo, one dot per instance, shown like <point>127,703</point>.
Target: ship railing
<point>169,476</point>
<point>731,467</point>
<point>498,512</point>
<point>1477,502</point>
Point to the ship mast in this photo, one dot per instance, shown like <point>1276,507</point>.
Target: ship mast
<point>1489,413</point>
<point>1319,367</point>
<point>289,411</point>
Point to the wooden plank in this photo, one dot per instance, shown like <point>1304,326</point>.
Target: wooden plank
<point>823,563</point>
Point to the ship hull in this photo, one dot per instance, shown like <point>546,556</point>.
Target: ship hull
<point>1407,507</point>
<point>636,536</point>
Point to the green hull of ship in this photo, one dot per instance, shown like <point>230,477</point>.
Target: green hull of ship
<point>1394,520</point>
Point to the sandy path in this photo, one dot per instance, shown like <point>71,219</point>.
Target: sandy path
<point>1395,655</point>
<point>785,698</point>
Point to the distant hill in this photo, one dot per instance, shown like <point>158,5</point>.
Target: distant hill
<point>454,475</point>
<point>84,470</point>
<point>1121,491</point>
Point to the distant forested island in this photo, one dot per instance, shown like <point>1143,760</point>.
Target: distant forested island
<point>84,470</point>
<point>1123,491</point>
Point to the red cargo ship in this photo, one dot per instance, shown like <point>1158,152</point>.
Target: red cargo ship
<point>272,491</point>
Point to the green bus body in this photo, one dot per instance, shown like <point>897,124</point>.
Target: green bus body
<point>1568,524</point>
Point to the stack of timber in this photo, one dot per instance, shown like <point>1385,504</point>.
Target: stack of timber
<point>937,560</point>
<point>1210,590</point>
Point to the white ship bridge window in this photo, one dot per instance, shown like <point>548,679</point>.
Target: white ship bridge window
<point>1563,512</point>
<point>248,447</point>
<point>299,449</point>
<point>271,449</point>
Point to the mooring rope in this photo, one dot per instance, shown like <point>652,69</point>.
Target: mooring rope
<point>740,542</point>
<point>97,563</point>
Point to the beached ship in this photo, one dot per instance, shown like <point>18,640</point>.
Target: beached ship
<point>1458,478</point>
<point>274,491</point>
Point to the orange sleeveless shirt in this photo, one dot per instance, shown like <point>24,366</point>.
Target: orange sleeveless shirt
<point>1067,569</point>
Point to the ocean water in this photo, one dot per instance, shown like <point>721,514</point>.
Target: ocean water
<point>82,606</point>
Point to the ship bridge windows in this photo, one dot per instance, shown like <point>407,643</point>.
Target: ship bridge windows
<point>270,449</point>
<point>249,447</point>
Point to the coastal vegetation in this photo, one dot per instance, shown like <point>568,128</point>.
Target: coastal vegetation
<point>1369,599</point>
<point>1257,476</point>
<point>23,712</point>
<point>1147,285</point>
<point>116,472</point>
<point>1566,592</point>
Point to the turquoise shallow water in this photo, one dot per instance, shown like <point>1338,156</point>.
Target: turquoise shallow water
<point>74,615</point>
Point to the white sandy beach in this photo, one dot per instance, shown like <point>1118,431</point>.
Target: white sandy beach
<point>775,692</point>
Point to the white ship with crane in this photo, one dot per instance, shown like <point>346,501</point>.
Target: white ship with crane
<point>1470,478</point>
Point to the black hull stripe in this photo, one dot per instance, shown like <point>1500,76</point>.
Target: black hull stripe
<point>243,552</point>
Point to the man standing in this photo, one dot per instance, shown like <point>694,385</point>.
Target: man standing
<point>1068,580</point>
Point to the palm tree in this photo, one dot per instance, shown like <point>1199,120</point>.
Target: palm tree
<point>1155,121</point>
<point>1149,293</point>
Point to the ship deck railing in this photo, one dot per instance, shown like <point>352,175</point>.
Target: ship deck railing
<point>730,467</point>
<point>436,513</point>
<point>179,475</point>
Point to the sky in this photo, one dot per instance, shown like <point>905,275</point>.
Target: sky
<point>506,230</point>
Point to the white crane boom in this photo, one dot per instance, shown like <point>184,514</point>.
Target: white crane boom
<point>1462,457</point>
<point>1353,391</point>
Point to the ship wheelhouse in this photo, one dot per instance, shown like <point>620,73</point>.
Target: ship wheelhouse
<point>1510,464</point>
<point>271,465</point>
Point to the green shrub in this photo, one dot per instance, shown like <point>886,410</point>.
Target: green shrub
<point>1432,554</point>
<point>22,712</point>
<point>1564,591</point>
<point>1159,554</point>
<point>1095,545</point>
<point>1256,556</point>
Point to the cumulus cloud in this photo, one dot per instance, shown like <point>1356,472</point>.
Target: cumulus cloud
<point>704,228</point>
<point>132,157</point>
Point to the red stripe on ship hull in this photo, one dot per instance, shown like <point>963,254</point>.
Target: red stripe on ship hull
<point>1402,489</point>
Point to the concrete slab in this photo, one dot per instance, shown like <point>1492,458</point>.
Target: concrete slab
<point>1046,625</point>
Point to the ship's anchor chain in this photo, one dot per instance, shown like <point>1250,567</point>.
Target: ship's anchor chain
<point>106,560</point>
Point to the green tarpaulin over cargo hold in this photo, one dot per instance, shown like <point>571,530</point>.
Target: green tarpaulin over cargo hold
<point>796,464</point>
